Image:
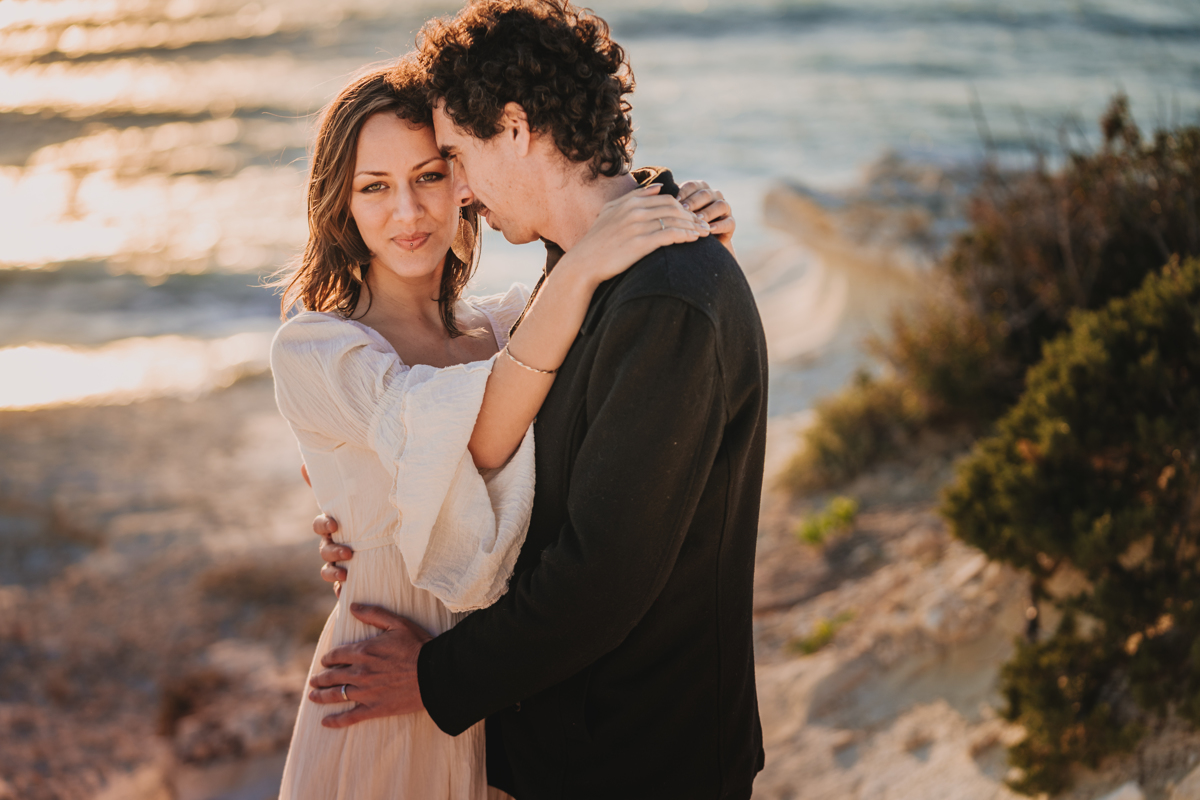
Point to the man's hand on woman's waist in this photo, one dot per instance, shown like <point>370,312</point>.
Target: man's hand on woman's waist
<point>378,675</point>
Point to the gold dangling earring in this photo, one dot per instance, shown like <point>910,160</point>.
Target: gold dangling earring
<point>356,272</point>
<point>463,245</point>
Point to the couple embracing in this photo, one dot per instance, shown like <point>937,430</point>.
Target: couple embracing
<point>592,638</point>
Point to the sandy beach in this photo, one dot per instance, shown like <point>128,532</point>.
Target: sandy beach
<point>158,569</point>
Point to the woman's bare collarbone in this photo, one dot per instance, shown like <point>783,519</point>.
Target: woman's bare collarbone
<point>416,343</point>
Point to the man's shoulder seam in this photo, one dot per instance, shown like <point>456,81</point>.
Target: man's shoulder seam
<point>667,257</point>
<point>659,294</point>
<point>708,316</point>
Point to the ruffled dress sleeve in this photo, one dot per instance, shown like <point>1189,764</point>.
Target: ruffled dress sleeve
<point>460,530</point>
<point>504,309</point>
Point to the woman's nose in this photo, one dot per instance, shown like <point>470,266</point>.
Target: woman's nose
<point>407,206</point>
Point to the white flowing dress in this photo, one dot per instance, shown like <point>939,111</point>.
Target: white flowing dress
<point>433,537</point>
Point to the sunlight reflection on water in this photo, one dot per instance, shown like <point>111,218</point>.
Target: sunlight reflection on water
<point>159,223</point>
<point>127,371</point>
<point>159,138</point>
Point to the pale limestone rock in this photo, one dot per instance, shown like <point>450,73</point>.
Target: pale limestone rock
<point>1128,791</point>
<point>900,707</point>
<point>969,570</point>
<point>146,783</point>
<point>1189,787</point>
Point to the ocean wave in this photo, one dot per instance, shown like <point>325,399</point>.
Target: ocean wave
<point>86,304</point>
<point>70,29</point>
<point>719,20</point>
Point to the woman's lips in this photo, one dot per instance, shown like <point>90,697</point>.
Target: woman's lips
<point>410,243</point>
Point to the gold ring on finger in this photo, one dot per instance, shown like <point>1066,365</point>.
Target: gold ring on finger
<point>344,696</point>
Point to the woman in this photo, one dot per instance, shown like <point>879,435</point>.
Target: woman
<point>413,408</point>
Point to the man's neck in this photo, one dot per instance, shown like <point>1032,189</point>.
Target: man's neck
<point>575,205</point>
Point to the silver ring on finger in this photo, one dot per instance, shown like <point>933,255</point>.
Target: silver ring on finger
<point>662,224</point>
<point>344,696</point>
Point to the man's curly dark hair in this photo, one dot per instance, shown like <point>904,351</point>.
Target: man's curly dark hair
<point>555,60</point>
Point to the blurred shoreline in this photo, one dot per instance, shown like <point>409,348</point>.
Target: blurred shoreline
<point>152,152</point>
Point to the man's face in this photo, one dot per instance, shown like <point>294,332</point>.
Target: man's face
<point>494,176</point>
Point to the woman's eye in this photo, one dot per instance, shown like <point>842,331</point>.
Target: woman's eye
<point>372,188</point>
<point>431,177</point>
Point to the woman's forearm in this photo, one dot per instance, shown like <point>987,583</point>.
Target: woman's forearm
<point>514,393</point>
<point>628,229</point>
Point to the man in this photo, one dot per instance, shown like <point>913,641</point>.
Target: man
<point>620,662</point>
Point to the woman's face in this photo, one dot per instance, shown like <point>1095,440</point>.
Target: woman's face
<point>403,197</point>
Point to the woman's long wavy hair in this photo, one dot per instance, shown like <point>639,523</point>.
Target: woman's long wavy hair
<point>331,274</point>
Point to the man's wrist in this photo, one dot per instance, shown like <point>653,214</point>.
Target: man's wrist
<point>442,696</point>
<point>417,672</point>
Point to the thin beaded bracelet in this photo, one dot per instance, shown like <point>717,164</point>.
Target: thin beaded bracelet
<point>519,363</point>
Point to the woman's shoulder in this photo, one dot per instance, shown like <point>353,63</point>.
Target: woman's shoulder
<point>504,307</point>
<point>321,336</point>
<point>517,293</point>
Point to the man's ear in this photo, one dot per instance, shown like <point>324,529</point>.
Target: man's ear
<point>516,127</point>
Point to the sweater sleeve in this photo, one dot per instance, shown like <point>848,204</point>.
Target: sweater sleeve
<point>655,414</point>
<point>459,531</point>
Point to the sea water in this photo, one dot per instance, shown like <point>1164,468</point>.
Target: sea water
<point>152,152</point>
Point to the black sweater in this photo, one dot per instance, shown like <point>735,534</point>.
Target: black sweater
<point>620,662</point>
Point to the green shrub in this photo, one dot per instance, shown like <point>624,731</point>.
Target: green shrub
<point>951,360</point>
<point>1061,688</point>
<point>838,516</point>
<point>1040,245</point>
<point>822,634</point>
<point>1098,466</point>
<point>868,420</point>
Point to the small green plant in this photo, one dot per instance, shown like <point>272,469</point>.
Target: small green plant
<point>822,634</point>
<point>838,516</point>
<point>868,420</point>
